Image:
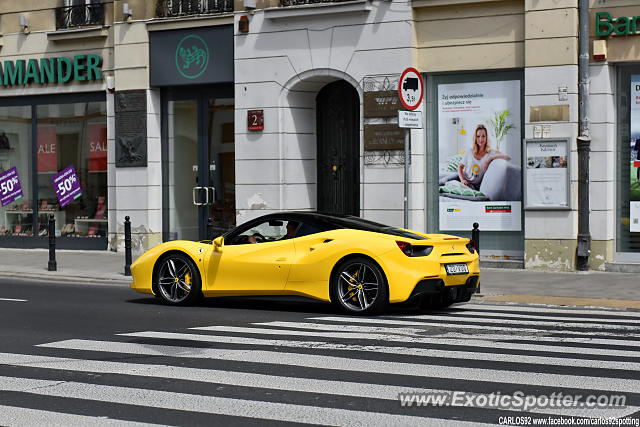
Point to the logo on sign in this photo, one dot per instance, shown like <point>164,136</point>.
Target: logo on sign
<point>192,56</point>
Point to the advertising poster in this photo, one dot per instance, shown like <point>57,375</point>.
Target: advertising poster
<point>66,184</point>
<point>10,188</point>
<point>479,143</point>
<point>634,158</point>
<point>547,174</point>
<point>97,147</point>
<point>47,156</point>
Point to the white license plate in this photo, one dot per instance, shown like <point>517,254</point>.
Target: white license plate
<point>456,269</point>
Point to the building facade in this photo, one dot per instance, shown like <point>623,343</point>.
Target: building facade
<point>191,116</point>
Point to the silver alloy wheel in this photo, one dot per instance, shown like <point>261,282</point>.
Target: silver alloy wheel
<point>175,279</point>
<point>358,287</point>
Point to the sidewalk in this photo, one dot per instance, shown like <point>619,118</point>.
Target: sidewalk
<point>605,289</point>
<point>76,266</point>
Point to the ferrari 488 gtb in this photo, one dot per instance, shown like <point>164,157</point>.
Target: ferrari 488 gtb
<point>359,265</point>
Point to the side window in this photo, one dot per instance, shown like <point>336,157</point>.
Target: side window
<point>268,231</point>
<point>307,228</point>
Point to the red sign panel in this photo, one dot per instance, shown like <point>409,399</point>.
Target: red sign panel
<point>410,89</point>
<point>97,147</point>
<point>47,149</point>
<point>255,120</point>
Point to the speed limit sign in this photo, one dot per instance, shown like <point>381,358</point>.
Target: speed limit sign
<point>410,89</point>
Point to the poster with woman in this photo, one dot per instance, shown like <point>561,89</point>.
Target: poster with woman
<point>634,159</point>
<point>479,153</point>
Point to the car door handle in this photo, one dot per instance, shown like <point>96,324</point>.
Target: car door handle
<point>281,259</point>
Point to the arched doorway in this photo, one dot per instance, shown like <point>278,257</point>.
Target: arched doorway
<point>338,148</point>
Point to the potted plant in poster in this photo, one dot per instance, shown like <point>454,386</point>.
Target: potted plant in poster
<point>501,126</point>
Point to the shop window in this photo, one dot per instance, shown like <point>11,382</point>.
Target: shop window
<point>72,167</point>
<point>16,216</point>
<point>628,161</point>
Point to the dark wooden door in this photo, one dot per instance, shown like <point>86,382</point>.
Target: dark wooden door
<point>338,150</point>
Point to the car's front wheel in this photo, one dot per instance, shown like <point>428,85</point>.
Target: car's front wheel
<point>178,280</point>
<point>358,286</point>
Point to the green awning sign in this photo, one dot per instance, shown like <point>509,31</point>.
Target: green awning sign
<point>607,25</point>
<point>51,70</point>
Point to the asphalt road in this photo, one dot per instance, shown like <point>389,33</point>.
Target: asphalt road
<point>80,354</point>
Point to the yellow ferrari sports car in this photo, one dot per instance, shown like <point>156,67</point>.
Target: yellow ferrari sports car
<point>358,265</point>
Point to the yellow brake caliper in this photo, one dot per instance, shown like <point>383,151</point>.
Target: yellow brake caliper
<point>187,280</point>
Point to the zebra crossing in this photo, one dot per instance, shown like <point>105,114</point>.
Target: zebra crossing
<point>332,370</point>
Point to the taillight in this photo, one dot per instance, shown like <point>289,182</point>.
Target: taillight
<point>413,251</point>
<point>405,247</point>
<point>471,246</point>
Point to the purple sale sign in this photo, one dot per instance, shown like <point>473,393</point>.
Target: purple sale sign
<point>10,189</point>
<point>67,185</point>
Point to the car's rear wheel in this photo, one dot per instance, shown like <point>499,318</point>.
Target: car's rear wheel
<point>178,280</point>
<point>358,286</point>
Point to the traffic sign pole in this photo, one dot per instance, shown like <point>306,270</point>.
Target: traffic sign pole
<point>407,142</point>
<point>410,92</point>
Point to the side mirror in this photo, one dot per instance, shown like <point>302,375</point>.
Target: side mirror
<point>218,242</point>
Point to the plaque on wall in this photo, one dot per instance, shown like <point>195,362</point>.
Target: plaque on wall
<point>383,137</point>
<point>382,103</point>
<point>131,128</point>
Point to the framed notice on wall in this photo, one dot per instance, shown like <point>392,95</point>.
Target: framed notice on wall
<point>547,174</point>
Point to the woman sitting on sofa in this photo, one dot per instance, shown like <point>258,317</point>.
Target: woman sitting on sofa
<point>488,170</point>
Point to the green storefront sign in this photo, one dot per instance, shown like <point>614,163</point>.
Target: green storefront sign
<point>607,25</point>
<point>51,70</point>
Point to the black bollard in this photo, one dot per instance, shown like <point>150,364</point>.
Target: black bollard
<point>53,265</point>
<point>475,238</point>
<point>209,228</point>
<point>127,246</point>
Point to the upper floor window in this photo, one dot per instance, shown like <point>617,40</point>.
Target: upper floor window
<point>171,8</point>
<point>79,13</point>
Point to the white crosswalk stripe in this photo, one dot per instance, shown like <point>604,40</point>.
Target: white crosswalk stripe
<point>27,417</point>
<point>214,405</point>
<point>612,313</point>
<point>422,352</point>
<point>407,337</point>
<point>357,365</point>
<point>471,348</point>
<point>586,322</point>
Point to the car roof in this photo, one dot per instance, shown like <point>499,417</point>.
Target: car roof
<point>341,221</point>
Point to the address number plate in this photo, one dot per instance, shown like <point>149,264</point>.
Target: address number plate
<point>456,269</point>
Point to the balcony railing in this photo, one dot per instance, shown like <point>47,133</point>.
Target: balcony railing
<point>172,8</point>
<point>301,2</point>
<point>79,16</point>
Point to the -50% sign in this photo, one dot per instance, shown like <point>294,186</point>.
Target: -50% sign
<point>67,185</point>
<point>10,189</point>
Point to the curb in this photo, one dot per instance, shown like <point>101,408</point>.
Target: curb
<point>63,278</point>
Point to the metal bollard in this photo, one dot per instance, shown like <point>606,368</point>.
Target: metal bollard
<point>209,228</point>
<point>127,246</point>
<point>53,265</point>
<point>475,238</point>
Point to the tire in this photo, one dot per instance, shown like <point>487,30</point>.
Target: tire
<point>178,280</point>
<point>359,286</point>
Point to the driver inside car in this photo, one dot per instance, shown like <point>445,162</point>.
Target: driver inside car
<point>292,226</point>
